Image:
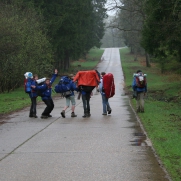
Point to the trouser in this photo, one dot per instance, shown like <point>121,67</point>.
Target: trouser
<point>140,101</point>
<point>50,105</point>
<point>86,105</point>
<point>33,106</point>
<point>105,104</point>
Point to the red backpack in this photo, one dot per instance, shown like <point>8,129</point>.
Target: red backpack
<point>108,85</point>
<point>140,80</point>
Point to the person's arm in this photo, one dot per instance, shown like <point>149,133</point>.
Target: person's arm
<point>42,87</point>
<point>54,76</point>
<point>134,84</point>
<point>76,77</point>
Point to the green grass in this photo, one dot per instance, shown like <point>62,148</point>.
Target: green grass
<point>91,61</point>
<point>162,117</point>
<point>18,99</point>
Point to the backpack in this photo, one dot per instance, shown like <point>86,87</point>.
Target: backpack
<point>64,86</point>
<point>27,82</point>
<point>108,85</point>
<point>140,80</point>
<point>27,85</point>
<point>39,83</point>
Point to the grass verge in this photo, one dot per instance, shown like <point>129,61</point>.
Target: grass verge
<point>18,99</point>
<point>162,117</point>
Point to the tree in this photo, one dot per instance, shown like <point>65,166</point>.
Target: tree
<point>23,45</point>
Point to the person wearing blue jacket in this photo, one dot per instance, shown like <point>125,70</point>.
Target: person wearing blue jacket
<point>70,98</point>
<point>46,90</point>
<point>140,92</point>
<point>33,95</point>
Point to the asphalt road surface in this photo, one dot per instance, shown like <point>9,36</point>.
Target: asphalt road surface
<point>99,148</point>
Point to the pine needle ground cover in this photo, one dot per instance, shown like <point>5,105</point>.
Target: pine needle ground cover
<point>162,117</point>
<point>18,99</point>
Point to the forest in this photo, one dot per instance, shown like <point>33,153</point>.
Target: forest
<point>39,35</point>
<point>151,28</point>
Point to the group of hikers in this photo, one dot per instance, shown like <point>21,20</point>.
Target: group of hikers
<point>83,82</point>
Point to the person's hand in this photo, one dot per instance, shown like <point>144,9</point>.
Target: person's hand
<point>56,71</point>
<point>33,86</point>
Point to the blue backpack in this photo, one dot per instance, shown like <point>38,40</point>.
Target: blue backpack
<point>27,85</point>
<point>64,85</point>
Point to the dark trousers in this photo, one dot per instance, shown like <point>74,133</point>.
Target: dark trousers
<point>33,106</point>
<point>86,105</point>
<point>50,105</point>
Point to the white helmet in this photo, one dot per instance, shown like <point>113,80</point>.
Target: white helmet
<point>28,75</point>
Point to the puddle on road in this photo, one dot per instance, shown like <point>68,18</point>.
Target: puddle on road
<point>139,139</point>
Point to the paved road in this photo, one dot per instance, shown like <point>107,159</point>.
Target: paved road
<point>99,148</point>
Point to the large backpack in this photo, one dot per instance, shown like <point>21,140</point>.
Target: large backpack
<point>64,86</point>
<point>27,85</point>
<point>27,82</point>
<point>108,85</point>
<point>140,80</point>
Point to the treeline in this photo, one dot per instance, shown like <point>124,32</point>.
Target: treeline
<point>152,27</point>
<point>39,35</point>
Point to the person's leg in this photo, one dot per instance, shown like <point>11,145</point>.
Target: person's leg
<point>104,104</point>
<point>88,104</point>
<point>48,109</point>
<point>142,102</point>
<point>84,105</point>
<point>34,107</point>
<point>138,103</point>
<point>67,105</point>
<point>109,110</point>
<point>31,108</point>
<point>51,107</point>
<point>72,98</point>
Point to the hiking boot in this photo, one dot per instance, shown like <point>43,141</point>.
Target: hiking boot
<point>142,110</point>
<point>35,116</point>
<point>138,110</point>
<point>109,112</point>
<point>88,114</point>
<point>63,114</point>
<point>84,116</point>
<point>104,114</point>
<point>44,117</point>
<point>73,115</point>
<point>49,115</point>
<point>31,116</point>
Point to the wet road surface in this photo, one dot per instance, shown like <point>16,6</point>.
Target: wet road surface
<point>99,148</point>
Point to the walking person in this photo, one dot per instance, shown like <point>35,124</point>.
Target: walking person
<point>33,95</point>
<point>86,103</point>
<point>70,98</point>
<point>105,101</point>
<point>46,90</point>
<point>86,82</point>
<point>139,86</point>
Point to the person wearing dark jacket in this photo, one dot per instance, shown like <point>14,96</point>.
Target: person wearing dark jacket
<point>140,92</point>
<point>46,90</point>
<point>33,95</point>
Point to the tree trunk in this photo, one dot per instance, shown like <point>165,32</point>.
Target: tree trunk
<point>66,61</point>
<point>147,60</point>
